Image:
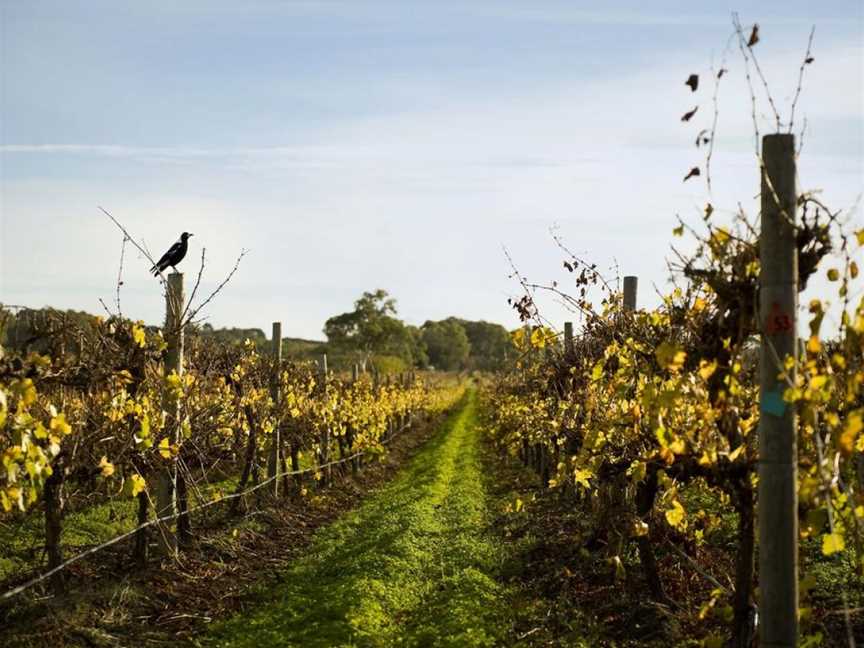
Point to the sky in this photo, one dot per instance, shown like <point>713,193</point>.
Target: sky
<point>354,145</point>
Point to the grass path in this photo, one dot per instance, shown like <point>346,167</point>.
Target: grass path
<point>413,566</point>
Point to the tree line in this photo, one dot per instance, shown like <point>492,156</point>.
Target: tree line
<point>370,335</point>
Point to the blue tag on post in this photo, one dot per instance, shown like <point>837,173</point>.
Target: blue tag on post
<point>773,403</point>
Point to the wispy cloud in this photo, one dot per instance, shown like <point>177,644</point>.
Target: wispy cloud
<point>119,150</point>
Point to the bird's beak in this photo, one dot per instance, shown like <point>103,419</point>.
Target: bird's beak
<point>191,235</point>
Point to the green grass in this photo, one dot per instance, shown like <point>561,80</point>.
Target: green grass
<point>23,539</point>
<point>413,566</point>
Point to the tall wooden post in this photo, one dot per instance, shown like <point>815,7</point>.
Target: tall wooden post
<point>324,441</point>
<point>274,459</point>
<point>568,339</point>
<point>166,491</point>
<point>630,285</point>
<point>778,305</point>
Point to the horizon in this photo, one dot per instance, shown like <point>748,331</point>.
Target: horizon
<point>352,146</point>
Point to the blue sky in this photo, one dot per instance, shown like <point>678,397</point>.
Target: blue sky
<point>355,145</point>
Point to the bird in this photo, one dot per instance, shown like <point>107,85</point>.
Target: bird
<point>173,256</point>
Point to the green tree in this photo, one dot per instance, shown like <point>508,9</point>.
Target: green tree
<point>491,345</point>
<point>372,328</point>
<point>447,344</point>
<point>235,335</point>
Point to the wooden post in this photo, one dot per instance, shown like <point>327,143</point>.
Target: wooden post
<point>349,432</point>
<point>52,496</point>
<point>568,339</point>
<point>166,491</point>
<point>526,360</point>
<point>630,285</point>
<point>274,459</point>
<point>778,304</point>
<point>324,441</point>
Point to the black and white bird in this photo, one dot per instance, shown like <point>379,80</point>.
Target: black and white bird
<point>173,256</point>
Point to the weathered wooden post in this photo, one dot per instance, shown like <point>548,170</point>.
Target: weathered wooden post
<point>349,433</point>
<point>274,461</point>
<point>568,339</point>
<point>166,491</point>
<point>778,305</point>
<point>630,285</point>
<point>324,441</point>
<point>616,492</point>
<point>526,361</point>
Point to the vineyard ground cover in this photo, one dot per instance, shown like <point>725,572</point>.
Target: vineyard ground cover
<point>113,604</point>
<point>417,565</point>
<point>23,540</point>
<point>575,598</point>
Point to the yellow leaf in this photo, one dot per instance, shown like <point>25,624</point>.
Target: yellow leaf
<point>28,392</point>
<point>854,425</point>
<point>165,448</point>
<point>813,344</point>
<point>106,466</point>
<point>581,476</point>
<point>637,470</point>
<point>832,543</point>
<point>518,338</point>
<point>708,459</point>
<point>860,236</point>
<point>539,337</point>
<point>853,269</point>
<point>39,431</point>
<point>678,231</point>
<point>707,369</point>
<point>59,424</point>
<point>678,446</point>
<point>670,356</point>
<point>675,515</point>
<point>136,484</point>
<point>138,336</point>
<point>818,382</point>
<point>718,240</point>
<point>833,274</point>
<point>144,432</point>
